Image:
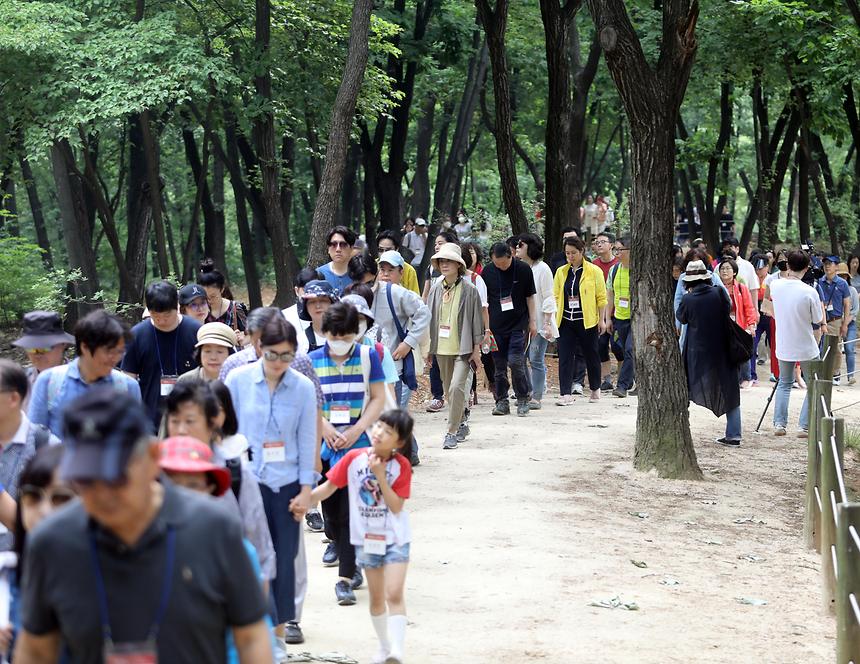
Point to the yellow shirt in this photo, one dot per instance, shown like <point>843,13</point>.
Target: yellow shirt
<point>409,280</point>
<point>448,314</point>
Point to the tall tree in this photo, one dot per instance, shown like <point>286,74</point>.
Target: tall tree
<point>652,96</point>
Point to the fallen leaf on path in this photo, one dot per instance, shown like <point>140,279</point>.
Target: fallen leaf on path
<point>690,523</point>
<point>749,519</point>
<point>598,426</point>
<point>615,603</point>
<point>712,541</point>
<point>641,515</point>
<point>534,459</point>
<point>669,581</point>
<point>708,502</point>
<point>639,563</point>
<point>752,558</point>
<point>752,601</point>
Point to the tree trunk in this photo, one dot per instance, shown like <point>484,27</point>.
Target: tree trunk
<point>138,216</point>
<point>216,232</point>
<point>495,23</point>
<point>803,196</point>
<point>8,201</point>
<point>36,209</point>
<point>346,214</point>
<point>76,231</point>
<point>203,195</point>
<point>423,148</point>
<point>338,138</point>
<point>652,98</point>
<point>153,182</point>
<point>792,192</point>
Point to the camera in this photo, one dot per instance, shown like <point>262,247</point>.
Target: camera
<point>816,266</point>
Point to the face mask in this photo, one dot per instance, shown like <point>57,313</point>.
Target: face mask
<point>362,329</point>
<point>782,265</point>
<point>340,346</point>
<point>461,218</point>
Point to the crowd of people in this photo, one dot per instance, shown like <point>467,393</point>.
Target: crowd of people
<point>200,440</point>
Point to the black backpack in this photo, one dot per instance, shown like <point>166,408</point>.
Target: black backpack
<point>235,468</point>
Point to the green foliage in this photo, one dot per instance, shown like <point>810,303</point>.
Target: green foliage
<point>24,284</point>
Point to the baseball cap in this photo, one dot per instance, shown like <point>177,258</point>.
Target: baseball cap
<point>832,259</point>
<point>392,258</point>
<point>190,292</point>
<point>100,431</point>
<point>184,454</point>
<point>420,222</point>
<point>216,333</point>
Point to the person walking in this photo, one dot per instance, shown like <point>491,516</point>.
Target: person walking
<point>340,241</point>
<point>834,294</point>
<point>222,307</point>
<point>580,296</point>
<point>618,309</point>
<point>215,343</point>
<point>743,312</point>
<point>408,278</point>
<point>761,263</point>
<point>606,257</point>
<point>292,314</point>
<point>799,320</point>
<point>530,251</point>
<point>456,335</point>
<point>850,338</point>
<point>415,241</point>
<point>44,342</point>
<point>130,518</point>
<point>317,297</point>
<point>513,321</point>
<point>712,380</point>
<point>194,302</point>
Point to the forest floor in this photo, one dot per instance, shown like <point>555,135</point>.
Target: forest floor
<point>521,529</point>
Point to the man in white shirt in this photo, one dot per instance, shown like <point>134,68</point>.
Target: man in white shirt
<point>799,319</point>
<point>746,271</point>
<point>416,241</point>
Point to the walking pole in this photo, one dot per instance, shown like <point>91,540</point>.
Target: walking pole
<point>767,405</point>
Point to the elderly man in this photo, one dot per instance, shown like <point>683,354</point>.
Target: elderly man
<point>138,569</point>
<point>45,342</point>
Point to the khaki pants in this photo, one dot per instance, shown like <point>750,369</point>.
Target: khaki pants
<point>834,326</point>
<point>456,379</point>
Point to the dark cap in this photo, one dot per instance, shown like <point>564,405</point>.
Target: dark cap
<point>190,292</point>
<point>43,329</point>
<point>832,259</point>
<point>316,288</point>
<point>100,430</point>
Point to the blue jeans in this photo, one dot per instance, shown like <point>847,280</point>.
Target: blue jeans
<point>733,424</point>
<point>537,357</point>
<point>850,349</point>
<point>624,338</point>
<point>783,394</point>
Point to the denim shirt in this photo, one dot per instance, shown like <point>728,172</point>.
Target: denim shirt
<point>289,415</point>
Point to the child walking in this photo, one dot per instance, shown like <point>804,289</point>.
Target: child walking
<point>379,480</point>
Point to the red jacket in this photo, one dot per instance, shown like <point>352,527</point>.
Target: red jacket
<point>742,306</point>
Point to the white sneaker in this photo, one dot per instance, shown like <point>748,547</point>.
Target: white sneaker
<point>565,400</point>
<point>280,651</point>
<point>577,389</point>
<point>380,656</point>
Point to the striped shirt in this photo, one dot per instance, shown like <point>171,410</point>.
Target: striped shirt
<point>342,387</point>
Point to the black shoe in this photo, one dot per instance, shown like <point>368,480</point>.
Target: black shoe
<point>414,460</point>
<point>728,442</point>
<point>293,633</point>
<point>522,408</point>
<point>502,408</point>
<point>620,392</point>
<point>606,385</point>
<point>357,579</point>
<point>634,392</point>
<point>314,521</point>
<point>344,594</point>
<point>330,555</point>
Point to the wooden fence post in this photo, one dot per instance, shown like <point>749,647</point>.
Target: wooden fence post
<point>828,484</point>
<point>832,355</point>
<point>848,557</point>
<point>810,513</point>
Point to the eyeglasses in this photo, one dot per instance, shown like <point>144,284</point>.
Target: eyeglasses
<point>286,356</point>
<point>338,244</point>
<point>39,351</point>
<point>601,242</point>
<point>35,494</point>
<point>199,306</point>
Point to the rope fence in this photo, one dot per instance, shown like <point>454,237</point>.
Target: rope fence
<point>831,522</point>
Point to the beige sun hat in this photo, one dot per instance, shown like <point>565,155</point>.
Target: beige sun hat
<point>696,271</point>
<point>216,333</point>
<point>449,251</point>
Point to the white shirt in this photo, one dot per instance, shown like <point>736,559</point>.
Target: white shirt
<point>796,307</point>
<point>292,316</point>
<point>416,244</point>
<point>746,272</point>
<point>463,229</point>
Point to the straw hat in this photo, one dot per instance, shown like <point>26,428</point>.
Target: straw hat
<point>217,334</point>
<point>696,271</point>
<point>842,271</point>
<point>449,251</point>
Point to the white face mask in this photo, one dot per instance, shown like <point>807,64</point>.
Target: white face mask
<point>461,218</point>
<point>340,346</point>
<point>362,328</point>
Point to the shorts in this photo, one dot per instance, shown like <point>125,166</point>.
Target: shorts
<point>393,554</point>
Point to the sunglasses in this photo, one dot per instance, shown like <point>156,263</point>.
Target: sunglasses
<point>337,244</point>
<point>35,494</point>
<point>39,351</point>
<point>287,356</point>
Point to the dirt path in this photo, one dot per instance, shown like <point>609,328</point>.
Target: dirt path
<point>516,532</point>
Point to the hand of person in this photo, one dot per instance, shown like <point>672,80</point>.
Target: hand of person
<point>843,331</point>
<point>347,438</point>
<point>301,504</point>
<point>240,337</point>
<point>376,465</point>
<point>401,351</point>
<point>5,639</point>
<point>601,326</point>
<point>329,433</point>
<point>476,357</point>
<point>608,327</point>
<point>532,329</point>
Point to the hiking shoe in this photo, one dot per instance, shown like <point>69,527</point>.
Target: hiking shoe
<point>450,442</point>
<point>462,432</point>
<point>414,460</point>
<point>852,380</point>
<point>634,392</point>
<point>534,405</point>
<point>728,442</point>
<point>778,431</point>
<point>522,408</point>
<point>357,579</point>
<point>803,433</point>
<point>502,408</point>
<point>344,594</point>
<point>314,521</point>
<point>606,385</point>
<point>293,633</point>
<point>330,556</point>
<point>577,389</point>
<point>565,400</point>
<point>620,392</point>
<point>435,405</point>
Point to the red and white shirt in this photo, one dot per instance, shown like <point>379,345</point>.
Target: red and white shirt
<point>368,512</point>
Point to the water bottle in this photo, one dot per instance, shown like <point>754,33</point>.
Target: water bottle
<point>485,348</point>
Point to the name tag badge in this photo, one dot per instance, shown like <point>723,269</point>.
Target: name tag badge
<point>623,302</point>
<point>339,413</point>
<point>274,451</point>
<point>573,302</point>
<point>444,331</point>
<point>374,544</point>
<point>829,307</point>
<point>144,652</point>
<point>167,384</point>
<point>507,303</point>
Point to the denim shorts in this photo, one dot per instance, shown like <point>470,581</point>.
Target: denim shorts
<point>393,554</point>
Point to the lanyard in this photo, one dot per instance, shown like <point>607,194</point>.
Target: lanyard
<point>165,586</point>
<point>175,353</point>
<point>512,268</point>
<point>830,290</point>
<point>575,278</point>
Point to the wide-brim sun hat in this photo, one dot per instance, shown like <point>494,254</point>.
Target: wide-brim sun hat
<point>448,251</point>
<point>43,329</point>
<point>696,271</point>
<point>360,304</point>
<point>314,289</point>
<point>184,454</point>
<point>842,270</point>
<point>217,334</point>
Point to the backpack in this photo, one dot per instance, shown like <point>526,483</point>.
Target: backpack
<point>58,377</point>
<point>235,468</point>
<point>41,436</point>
